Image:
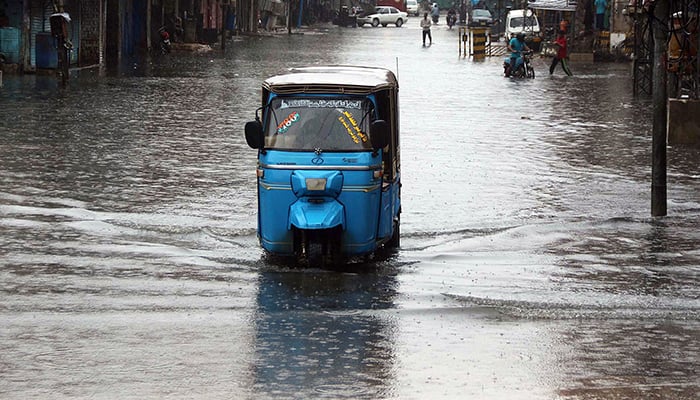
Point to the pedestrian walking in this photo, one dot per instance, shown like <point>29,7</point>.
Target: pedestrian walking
<point>561,56</point>
<point>425,24</point>
<point>600,7</point>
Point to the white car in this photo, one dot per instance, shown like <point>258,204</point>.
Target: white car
<point>383,15</point>
<point>412,7</point>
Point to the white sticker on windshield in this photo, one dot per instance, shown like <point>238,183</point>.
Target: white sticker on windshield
<point>320,103</point>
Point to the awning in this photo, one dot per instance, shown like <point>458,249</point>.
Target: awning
<point>555,5</point>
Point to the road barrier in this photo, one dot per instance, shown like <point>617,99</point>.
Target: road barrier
<point>463,41</point>
<point>479,39</point>
<point>474,42</point>
<point>604,41</point>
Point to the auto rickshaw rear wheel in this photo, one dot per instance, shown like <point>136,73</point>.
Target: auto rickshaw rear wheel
<point>395,241</point>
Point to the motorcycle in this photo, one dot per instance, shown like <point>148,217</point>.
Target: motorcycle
<point>436,18</point>
<point>165,46</point>
<point>523,66</point>
<point>451,20</point>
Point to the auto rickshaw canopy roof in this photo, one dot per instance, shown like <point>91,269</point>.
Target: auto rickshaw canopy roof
<point>332,79</point>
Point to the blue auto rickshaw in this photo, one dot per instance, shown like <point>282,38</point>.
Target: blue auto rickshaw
<point>328,171</point>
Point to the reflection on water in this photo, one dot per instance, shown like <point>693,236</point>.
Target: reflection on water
<point>529,261</point>
<point>320,333</point>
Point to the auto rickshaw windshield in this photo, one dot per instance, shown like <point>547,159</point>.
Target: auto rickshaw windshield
<point>309,123</point>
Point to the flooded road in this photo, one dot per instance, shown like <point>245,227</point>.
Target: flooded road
<point>529,267</point>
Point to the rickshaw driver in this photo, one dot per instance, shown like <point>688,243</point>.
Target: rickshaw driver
<point>310,133</point>
<point>332,131</point>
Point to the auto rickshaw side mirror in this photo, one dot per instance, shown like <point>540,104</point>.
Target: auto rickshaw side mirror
<point>254,134</point>
<point>379,134</point>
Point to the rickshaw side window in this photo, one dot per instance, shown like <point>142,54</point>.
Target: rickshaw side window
<point>384,112</point>
<point>331,124</point>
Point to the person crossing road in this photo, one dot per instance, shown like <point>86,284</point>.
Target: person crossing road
<point>425,24</point>
<point>561,56</point>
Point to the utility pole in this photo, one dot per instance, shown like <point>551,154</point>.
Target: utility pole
<point>660,109</point>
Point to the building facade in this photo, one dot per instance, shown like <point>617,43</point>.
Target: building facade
<point>103,32</point>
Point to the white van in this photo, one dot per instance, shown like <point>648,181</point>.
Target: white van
<point>517,22</point>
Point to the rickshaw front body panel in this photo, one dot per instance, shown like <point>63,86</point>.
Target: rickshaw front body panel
<point>358,199</point>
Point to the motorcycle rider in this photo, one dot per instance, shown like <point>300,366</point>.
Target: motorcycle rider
<point>435,13</point>
<point>516,46</point>
<point>451,17</point>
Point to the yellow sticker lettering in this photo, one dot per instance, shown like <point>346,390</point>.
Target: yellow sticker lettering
<point>349,129</point>
<point>356,127</point>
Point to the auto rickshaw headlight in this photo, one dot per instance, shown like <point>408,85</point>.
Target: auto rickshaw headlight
<point>316,184</point>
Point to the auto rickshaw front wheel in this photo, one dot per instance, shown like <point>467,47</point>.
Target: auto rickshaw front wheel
<point>318,248</point>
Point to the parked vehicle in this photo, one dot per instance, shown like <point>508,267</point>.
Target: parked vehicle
<point>480,17</point>
<point>523,21</point>
<point>345,17</point>
<point>383,15</point>
<point>523,66</point>
<point>398,4</point>
<point>412,7</point>
<point>328,163</point>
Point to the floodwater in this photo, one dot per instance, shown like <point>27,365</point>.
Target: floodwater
<point>530,266</point>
